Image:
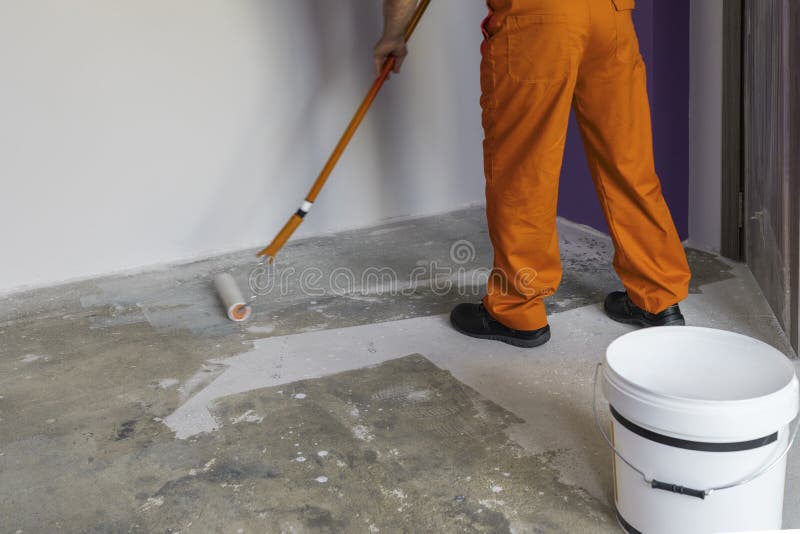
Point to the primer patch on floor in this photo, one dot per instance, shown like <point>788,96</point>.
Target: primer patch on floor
<point>398,447</point>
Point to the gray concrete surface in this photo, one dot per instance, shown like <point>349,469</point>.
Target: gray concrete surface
<point>130,404</point>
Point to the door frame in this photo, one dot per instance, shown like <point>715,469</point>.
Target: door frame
<point>793,46</point>
<point>732,240</point>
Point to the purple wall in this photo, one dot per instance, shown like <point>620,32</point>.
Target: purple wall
<point>663,29</point>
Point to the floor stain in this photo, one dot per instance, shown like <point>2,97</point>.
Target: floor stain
<point>125,430</point>
<point>453,470</point>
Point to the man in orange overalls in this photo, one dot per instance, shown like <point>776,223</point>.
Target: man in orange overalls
<point>542,58</point>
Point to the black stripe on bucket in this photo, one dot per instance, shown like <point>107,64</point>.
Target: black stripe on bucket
<point>625,525</point>
<point>693,445</point>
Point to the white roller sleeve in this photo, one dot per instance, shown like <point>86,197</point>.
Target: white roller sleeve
<point>233,300</point>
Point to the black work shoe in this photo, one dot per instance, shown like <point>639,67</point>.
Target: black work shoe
<point>473,320</point>
<point>620,308</point>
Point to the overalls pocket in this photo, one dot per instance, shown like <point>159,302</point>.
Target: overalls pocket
<point>627,42</point>
<point>538,48</point>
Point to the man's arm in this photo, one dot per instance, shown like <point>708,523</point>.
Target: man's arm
<point>396,16</point>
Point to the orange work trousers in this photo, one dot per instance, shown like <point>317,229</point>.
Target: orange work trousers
<point>542,58</point>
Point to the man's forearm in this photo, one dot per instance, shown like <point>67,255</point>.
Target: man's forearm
<point>396,15</point>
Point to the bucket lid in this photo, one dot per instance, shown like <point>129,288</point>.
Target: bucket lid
<point>700,383</point>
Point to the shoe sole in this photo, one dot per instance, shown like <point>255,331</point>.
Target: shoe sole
<point>641,322</point>
<point>507,339</point>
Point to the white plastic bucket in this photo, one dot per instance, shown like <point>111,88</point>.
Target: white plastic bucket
<point>701,424</point>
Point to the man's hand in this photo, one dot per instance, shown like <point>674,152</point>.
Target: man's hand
<point>396,16</point>
<point>390,46</point>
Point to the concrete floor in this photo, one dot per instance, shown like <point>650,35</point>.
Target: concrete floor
<point>130,404</point>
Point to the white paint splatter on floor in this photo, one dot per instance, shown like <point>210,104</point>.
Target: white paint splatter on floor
<point>265,329</point>
<point>152,502</point>
<point>391,229</point>
<point>209,464</point>
<point>167,383</point>
<point>419,395</point>
<point>361,432</point>
<point>250,416</point>
<point>322,479</point>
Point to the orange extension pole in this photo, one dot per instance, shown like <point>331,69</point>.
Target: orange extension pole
<point>297,218</point>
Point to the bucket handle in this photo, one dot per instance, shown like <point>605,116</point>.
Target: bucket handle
<point>675,488</point>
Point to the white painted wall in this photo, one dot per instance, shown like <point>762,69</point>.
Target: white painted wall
<point>135,133</point>
<point>705,125</point>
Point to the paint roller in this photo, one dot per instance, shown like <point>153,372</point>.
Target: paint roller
<point>235,304</point>
<point>237,307</point>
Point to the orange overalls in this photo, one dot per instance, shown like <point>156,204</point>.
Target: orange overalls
<point>541,58</point>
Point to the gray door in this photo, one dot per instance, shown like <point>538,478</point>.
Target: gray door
<point>771,220</point>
